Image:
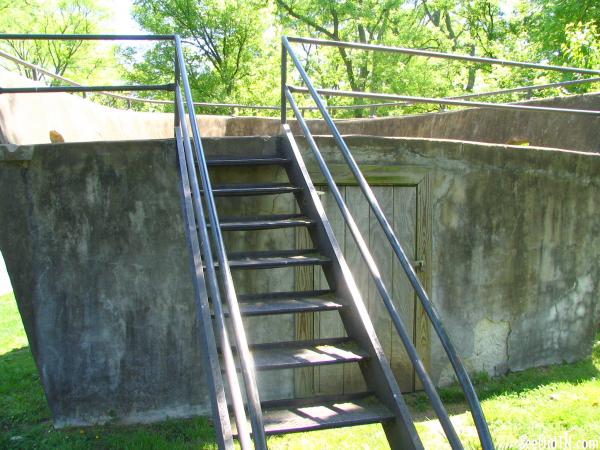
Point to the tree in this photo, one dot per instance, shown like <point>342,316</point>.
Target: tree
<point>77,58</point>
<point>552,24</point>
<point>232,45</point>
<point>224,41</point>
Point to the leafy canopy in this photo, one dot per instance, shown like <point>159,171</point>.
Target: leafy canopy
<point>79,59</point>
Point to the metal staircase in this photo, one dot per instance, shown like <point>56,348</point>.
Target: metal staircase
<point>381,401</point>
<point>222,314</point>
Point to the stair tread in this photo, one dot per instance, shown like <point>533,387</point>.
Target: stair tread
<point>254,189</point>
<point>269,259</point>
<point>265,222</point>
<point>246,160</point>
<point>322,413</point>
<point>288,355</point>
<point>288,302</point>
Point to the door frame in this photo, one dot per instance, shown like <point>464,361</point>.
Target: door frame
<point>419,178</point>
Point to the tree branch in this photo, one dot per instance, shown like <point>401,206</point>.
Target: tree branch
<point>307,20</point>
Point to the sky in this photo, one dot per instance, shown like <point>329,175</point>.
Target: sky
<point>121,23</point>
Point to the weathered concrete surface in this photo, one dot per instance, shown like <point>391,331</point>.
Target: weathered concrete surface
<point>28,118</point>
<point>549,129</point>
<point>516,247</point>
<point>92,235</point>
<point>93,239</point>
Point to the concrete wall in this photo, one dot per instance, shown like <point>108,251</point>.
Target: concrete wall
<point>28,119</point>
<point>516,247</point>
<point>556,130</point>
<point>93,241</point>
<point>92,236</point>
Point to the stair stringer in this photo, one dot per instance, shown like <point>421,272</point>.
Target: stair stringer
<point>401,432</point>
<point>207,336</point>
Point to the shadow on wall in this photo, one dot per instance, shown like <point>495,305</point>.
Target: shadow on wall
<point>5,286</point>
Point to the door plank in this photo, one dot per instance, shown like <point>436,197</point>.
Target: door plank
<point>404,223</point>
<point>359,207</point>
<point>423,252</point>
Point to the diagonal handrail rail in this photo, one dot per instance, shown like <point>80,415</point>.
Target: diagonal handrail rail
<point>467,386</point>
<point>381,288</point>
<point>187,167</point>
<point>245,357</point>
<point>218,401</point>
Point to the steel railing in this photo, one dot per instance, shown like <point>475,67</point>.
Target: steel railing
<point>233,106</point>
<point>198,202</point>
<point>287,96</point>
<point>192,162</point>
<point>404,100</point>
<point>246,362</point>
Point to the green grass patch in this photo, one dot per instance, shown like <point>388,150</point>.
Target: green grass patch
<point>543,402</point>
<point>12,334</point>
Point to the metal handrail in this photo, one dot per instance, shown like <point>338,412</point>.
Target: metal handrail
<point>130,98</point>
<point>222,335</point>
<point>465,382</point>
<point>446,101</point>
<point>189,188</point>
<point>87,37</point>
<point>381,288</point>
<point>441,55</point>
<point>195,223</point>
<point>246,361</point>
<point>54,89</point>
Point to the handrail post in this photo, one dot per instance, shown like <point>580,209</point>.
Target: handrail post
<point>283,82</point>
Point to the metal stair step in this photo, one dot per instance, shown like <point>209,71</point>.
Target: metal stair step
<point>265,222</point>
<point>319,413</point>
<point>247,161</point>
<point>254,189</point>
<point>273,259</point>
<point>318,352</point>
<point>287,303</point>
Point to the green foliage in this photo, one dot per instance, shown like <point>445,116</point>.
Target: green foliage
<point>234,57</point>
<point>82,60</point>
<point>12,335</point>
<point>232,46</point>
<point>228,53</point>
<point>582,46</point>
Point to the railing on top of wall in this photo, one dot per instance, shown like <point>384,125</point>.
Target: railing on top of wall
<point>193,167</point>
<point>287,96</point>
<point>239,106</point>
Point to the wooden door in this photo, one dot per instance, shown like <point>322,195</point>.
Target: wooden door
<point>400,204</point>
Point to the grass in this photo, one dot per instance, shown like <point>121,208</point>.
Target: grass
<point>545,402</point>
